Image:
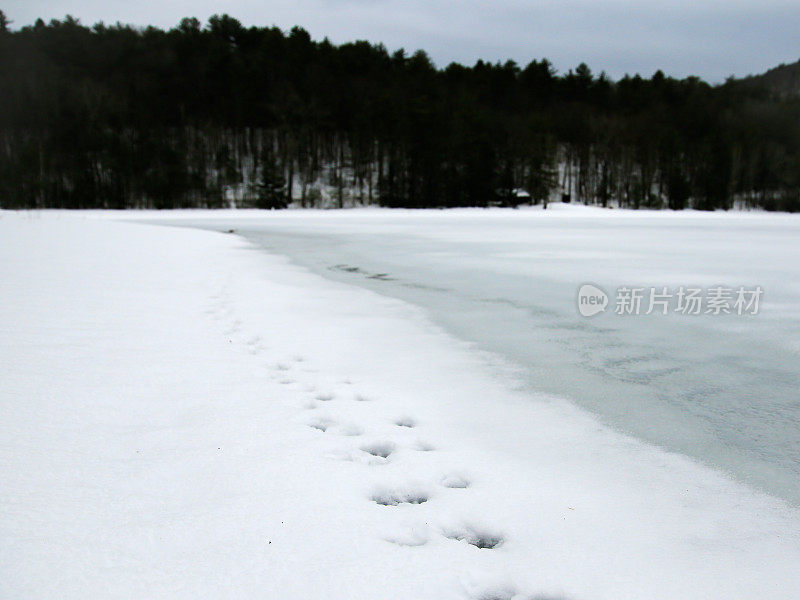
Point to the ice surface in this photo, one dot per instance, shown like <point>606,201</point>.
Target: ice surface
<point>724,390</point>
<point>160,391</point>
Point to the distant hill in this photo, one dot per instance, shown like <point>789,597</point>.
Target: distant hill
<point>783,80</point>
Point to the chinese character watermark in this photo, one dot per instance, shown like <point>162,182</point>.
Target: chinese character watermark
<point>683,300</point>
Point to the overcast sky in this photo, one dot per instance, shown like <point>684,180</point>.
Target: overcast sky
<point>709,38</point>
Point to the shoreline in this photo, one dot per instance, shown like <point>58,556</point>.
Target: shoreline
<point>469,270</point>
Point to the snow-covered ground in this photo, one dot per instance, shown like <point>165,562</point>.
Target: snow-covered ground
<point>183,415</point>
<point>720,388</point>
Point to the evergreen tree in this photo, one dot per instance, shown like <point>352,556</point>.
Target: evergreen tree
<point>271,183</point>
<point>117,116</point>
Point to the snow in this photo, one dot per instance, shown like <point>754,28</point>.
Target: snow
<point>721,390</point>
<point>183,415</point>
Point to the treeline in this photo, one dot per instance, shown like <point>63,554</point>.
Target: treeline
<point>221,114</point>
<point>783,80</point>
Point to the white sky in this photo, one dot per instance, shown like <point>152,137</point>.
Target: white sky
<point>709,38</point>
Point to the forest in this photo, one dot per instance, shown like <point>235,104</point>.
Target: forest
<point>218,115</point>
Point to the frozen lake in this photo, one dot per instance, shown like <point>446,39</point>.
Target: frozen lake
<point>724,389</point>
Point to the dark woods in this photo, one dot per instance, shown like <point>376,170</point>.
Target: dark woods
<point>220,115</point>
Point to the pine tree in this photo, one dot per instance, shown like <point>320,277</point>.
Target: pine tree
<point>130,117</point>
<point>271,184</point>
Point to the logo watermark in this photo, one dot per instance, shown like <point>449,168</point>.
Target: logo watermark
<point>683,300</point>
<point>592,300</point>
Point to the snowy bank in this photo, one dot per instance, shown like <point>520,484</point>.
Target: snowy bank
<point>183,416</point>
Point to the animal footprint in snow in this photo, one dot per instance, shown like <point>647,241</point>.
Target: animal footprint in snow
<point>405,422</point>
<point>424,446</point>
<point>456,480</point>
<point>507,592</point>
<point>410,540</point>
<point>480,537</point>
<point>396,496</point>
<point>379,449</point>
<point>325,396</point>
<point>409,535</point>
<point>234,327</point>
<point>321,424</point>
<point>499,592</point>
